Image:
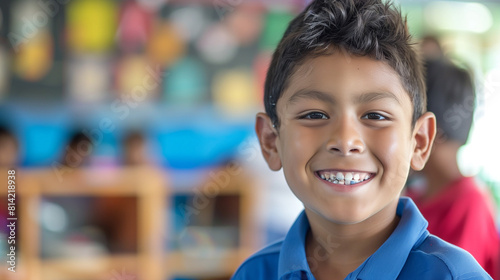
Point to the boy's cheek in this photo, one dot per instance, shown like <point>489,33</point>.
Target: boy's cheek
<point>394,153</point>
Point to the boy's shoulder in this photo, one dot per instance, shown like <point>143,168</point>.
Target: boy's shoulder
<point>409,253</point>
<point>435,258</point>
<point>432,259</point>
<point>261,265</point>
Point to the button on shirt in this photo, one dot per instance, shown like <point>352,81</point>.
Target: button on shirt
<point>409,253</point>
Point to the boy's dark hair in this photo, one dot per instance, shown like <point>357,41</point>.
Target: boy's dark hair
<point>451,97</point>
<point>360,27</point>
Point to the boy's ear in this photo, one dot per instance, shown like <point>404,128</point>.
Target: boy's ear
<point>268,135</point>
<point>423,136</point>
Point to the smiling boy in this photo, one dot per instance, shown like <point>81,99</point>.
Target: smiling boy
<point>345,119</point>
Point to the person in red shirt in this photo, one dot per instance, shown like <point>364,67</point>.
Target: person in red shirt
<point>458,208</point>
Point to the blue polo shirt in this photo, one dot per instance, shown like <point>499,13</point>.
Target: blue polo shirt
<point>409,253</point>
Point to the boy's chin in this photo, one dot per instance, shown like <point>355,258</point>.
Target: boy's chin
<point>336,218</point>
<point>347,221</point>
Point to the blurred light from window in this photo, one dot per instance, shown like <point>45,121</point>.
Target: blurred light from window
<point>480,154</point>
<point>491,136</point>
<point>459,16</point>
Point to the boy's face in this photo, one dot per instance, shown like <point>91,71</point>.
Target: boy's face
<point>344,117</point>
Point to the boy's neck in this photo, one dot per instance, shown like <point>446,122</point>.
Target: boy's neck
<point>335,250</point>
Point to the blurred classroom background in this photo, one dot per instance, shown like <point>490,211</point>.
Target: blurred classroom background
<point>133,125</point>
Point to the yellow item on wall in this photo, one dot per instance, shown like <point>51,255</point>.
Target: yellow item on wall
<point>35,57</point>
<point>166,44</point>
<point>136,77</point>
<point>91,25</point>
<point>235,92</point>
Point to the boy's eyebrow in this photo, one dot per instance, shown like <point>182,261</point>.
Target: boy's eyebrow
<point>310,94</point>
<point>322,96</point>
<point>372,96</point>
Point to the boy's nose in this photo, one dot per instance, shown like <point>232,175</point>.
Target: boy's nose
<point>346,140</point>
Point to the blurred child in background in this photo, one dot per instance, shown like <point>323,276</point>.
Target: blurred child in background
<point>8,148</point>
<point>135,149</point>
<point>457,208</point>
<point>117,215</point>
<point>431,48</point>
<point>65,219</point>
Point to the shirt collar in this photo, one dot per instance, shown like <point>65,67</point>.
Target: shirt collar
<point>391,256</point>
<point>292,259</point>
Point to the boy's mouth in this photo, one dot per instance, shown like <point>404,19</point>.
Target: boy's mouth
<point>343,177</point>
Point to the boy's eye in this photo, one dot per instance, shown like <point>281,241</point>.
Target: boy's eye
<point>314,116</point>
<point>374,116</point>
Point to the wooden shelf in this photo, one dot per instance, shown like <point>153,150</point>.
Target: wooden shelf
<point>210,264</point>
<point>153,192</point>
<point>90,268</point>
<point>93,182</point>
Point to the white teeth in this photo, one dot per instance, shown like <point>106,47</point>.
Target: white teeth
<point>356,177</point>
<point>348,177</point>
